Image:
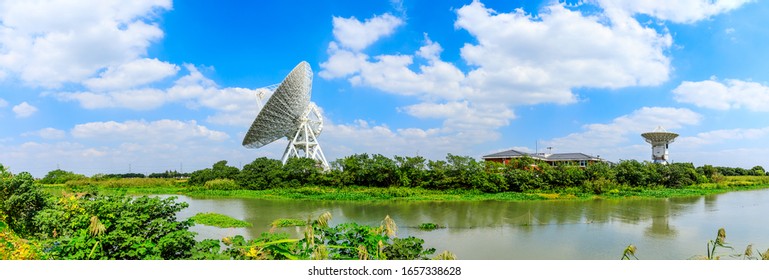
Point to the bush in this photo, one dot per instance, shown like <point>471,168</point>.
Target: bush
<point>21,200</point>
<point>522,180</point>
<point>262,173</point>
<point>598,186</point>
<point>409,248</point>
<point>115,227</point>
<point>221,184</point>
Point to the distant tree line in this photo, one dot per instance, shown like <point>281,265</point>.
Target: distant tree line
<point>453,173</point>
<point>459,172</point>
<point>59,176</point>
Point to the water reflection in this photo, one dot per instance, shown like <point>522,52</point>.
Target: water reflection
<point>672,228</point>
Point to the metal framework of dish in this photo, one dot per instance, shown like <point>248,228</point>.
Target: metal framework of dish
<point>289,113</point>
<point>660,139</point>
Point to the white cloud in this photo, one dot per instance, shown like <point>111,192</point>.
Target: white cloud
<point>47,133</point>
<point>726,95</point>
<point>48,43</point>
<point>163,131</point>
<point>518,59</point>
<point>132,74</point>
<point>3,103</point>
<point>680,11</point>
<point>136,99</point>
<point>613,140</point>
<point>143,155</point>
<point>232,106</point>
<point>357,35</point>
<point>339,140</point>
<point>462,116</point>
<point>24,110</point>
<point>523,59</point>
<point>342,62</point>
<point>724,135</point>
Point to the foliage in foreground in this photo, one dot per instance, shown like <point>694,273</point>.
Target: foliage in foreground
<point>85,226</point>
<point>114,227</point>
<point>712,245</point>
<point>348,241</point>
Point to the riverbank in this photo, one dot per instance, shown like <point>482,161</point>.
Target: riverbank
<point>171,186</point>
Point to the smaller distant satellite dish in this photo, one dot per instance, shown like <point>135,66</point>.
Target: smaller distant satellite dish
<point>289,113</point>
<point>659,139</point>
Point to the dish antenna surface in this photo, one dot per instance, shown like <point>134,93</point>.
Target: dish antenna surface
<point>289,113</point>
<point>660,139</point>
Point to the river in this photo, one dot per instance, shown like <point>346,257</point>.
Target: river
<point>670,228</point>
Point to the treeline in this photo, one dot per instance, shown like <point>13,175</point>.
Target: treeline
<point>453,173</point>
<point>459,172</point>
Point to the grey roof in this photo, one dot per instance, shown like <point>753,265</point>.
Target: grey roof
<point>545,157</point>
<point>571,156</point>
<point>507,154</point>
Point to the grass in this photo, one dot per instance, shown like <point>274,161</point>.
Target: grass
<point>218,220</point>
<point>288,223</point>
<point>149,186</point>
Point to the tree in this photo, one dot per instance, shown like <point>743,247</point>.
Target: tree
<point>708,171</point>
<point>21,200</point>
<point>758,170</point>
<point>59,176</point>
<point>220,170</point>
<point>382,171</point>
<point>262,173</point>
<point>599,170</point>
<point>4,172</point>
<point>631,173</point>
<point>411,172</point>
<point>300,171</point>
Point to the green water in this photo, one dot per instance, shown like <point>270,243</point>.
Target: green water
<point>674,228</point>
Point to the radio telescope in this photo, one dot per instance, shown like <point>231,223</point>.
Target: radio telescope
<point>289,113</point>
<point>660,139</point>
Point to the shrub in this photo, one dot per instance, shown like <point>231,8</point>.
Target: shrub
<point>221,184</point>
<point>115,227</point>
<point>21,200</point>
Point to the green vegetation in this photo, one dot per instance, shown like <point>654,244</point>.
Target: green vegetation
<point>362,177</point>
<point>712,245</point>
<point>376,177</point>
<point>429,226</point>
<point>348,241</point>
<point>218,220</point>
<point>283,222</point>
<point>35,224</point>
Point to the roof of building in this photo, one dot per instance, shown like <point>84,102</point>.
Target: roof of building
<point>545,157</point>
<point>571,156</point>
<point>507,154</point>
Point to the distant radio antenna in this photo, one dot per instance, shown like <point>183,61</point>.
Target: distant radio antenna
<point>660,139</point>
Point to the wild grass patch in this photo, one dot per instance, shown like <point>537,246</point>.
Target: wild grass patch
<point>218,220</point>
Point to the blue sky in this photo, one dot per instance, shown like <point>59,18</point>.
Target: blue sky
<point>153,85</point>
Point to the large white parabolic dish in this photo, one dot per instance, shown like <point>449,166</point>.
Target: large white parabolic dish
<point>282,113</point>
<point>289,113</point>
